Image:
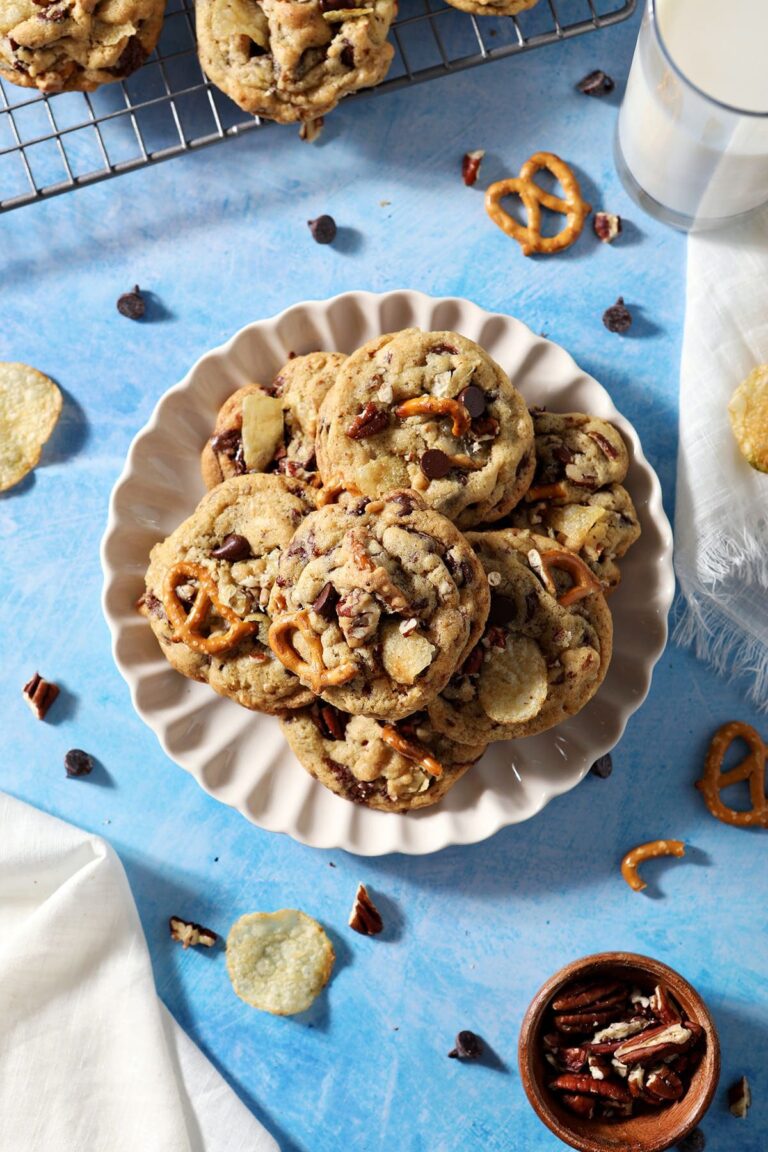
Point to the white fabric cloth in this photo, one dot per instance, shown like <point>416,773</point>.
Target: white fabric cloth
<point>90,1061</point>
<point>721,520</point>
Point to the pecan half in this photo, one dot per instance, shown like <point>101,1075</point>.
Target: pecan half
<point>655,1044</point>
<point>588,1086</point>
<point>40,695</point>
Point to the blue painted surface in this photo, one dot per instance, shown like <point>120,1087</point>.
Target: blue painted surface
<point>221,239</point>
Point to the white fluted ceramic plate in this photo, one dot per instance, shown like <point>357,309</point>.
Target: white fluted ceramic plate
<point>239,756</point>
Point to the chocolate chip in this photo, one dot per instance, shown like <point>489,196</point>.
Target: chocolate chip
<point>78,763</point>
<point>503,611</point>
<point>323,229</point>
<point>596,84</point>
<point>404,502</point>
<point>694,1142</point>
<point>232,548</point>
<point>473,399</point>
<point>618,317</point>
<point>603,766</point>
<point>435,464</point>
<point>228,443</point>
<point>468,1046</point>
<point>325,604</point>
<point>132,304</point>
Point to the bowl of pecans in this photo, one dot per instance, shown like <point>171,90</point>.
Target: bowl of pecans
<point>618,1051</point>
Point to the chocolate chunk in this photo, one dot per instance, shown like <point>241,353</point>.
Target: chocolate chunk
<point>444,350</point>
<point>233,547</point>
<point>618,317</point>
<point>132,304</point>
<point>603,766</point>
<point>474,662</point>
<point>503,611</point>
<point>473,399</point>
<point>78,763</point>
<point>468,1046</point>
<point>347,56</point>
<point>694,1142</point>
<point>435,464</point>
<point>228,443</point>
<point>597,83</point>
<point>404,501</point>
<point>40,695</point>
<point>132,57</point>
<point>323,229</point>
<point>325,604</point>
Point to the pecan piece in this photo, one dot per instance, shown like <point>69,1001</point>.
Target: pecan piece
<point>369,421</point>
<point>739,1098</point>
<point>40,695</point>
<point>583,996</point>
<point>663,1006</point>
<point>189,934</point>
<point>365,917</point>
<point>655,1044</point>
<point>588,1086</point>
<point>582,1105</point>
<point>470,166</point>
<point>663,1083</point>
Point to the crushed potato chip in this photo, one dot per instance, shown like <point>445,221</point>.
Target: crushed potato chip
<point>279,961</point>
<point>262,429</point>
<point>513,687</point>
<point>30,405</point>
<point>748,411</point>
<point>404,657</point>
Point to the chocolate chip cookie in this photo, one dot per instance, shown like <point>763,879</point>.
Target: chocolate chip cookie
<point>601,527</point>
<point>375,604</point>
<point>75,45</point>
<point>430,411</point>
<point>392,767</point>
<point>272,428</point>
<point>208,586</point>
<point>293,60</point>
<point>545,650</point>
<point>575,454</point>
<point>493,7</point>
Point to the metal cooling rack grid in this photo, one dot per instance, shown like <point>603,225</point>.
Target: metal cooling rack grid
<point>50,145</point>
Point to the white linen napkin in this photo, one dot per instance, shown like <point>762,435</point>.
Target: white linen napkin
<point>721,519</point>
<point>90,1061</point>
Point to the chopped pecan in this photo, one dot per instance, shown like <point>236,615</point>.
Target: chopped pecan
<point>370,421</point>
<point>664,1084</point>
<point>739,1098</point>
<point>40,695</point>
<point>470,166</point>
<point>365,917</point>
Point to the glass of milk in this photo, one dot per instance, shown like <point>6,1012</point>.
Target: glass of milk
<point>692,136</point>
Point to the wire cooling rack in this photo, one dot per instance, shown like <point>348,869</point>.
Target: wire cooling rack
<point>53,144</point>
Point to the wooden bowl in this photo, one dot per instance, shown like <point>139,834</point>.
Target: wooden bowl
<point>646,1132</point>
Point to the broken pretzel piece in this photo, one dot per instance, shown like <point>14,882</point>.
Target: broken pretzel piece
<point>647,852</point>
<point>437,406</point>
<point>411,751</point>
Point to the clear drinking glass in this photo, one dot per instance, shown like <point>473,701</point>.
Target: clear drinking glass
<point>691,142</point>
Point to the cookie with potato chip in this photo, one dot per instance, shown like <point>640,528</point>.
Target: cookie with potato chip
<point>30,406</point>
<point>545,650</point>
<point>748,411</point>
<point>279,962</point>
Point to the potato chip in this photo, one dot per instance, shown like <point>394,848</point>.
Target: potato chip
<point>514,687</point>
<point>279,961</point>
<point>748,411</point>
<point>30,405</point>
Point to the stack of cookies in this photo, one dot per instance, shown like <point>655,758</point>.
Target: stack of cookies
<point>399,560</point>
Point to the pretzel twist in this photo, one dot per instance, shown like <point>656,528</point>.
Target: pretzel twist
<point>529,237</point>
<point>411,751</point>
<point>313,671</point>
<point>437,406</point>
<point>186,626</point>
<point>647,852</point>
<point>752,768</point>
<point>585,583</point>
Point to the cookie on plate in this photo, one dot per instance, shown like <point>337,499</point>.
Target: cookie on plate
<point>430,411</point>
<point>208,586</point>
<point>293,60</point>
<point>391,767</point>
<point>575,454</point>
<point>265,429</point>
<point>546,648</point>
<point>601,527</point>
<point>375,604</point>
<point>76,45</point>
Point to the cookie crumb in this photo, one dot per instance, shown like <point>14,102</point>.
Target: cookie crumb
<point>40,695</point>
<point>189,934</point>
<point>323,229</point>
<point>132,304</point>
<point>618,317</point>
